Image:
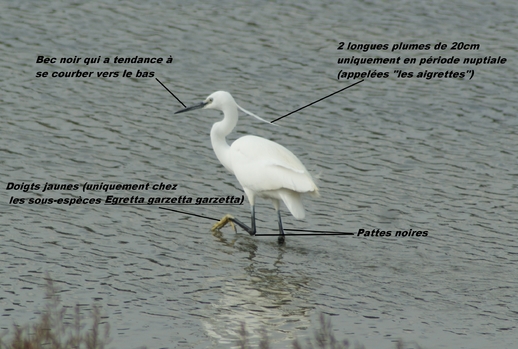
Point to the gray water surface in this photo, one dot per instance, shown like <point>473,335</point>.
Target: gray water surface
<point>392,154</point>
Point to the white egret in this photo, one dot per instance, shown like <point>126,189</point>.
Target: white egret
<point>262,167</point>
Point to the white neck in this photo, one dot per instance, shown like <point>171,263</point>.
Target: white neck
<point>218,133</point>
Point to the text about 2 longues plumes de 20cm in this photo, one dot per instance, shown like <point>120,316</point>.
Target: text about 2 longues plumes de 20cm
<point>455,60</point>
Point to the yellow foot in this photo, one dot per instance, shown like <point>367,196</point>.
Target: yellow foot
<point>224,221</point>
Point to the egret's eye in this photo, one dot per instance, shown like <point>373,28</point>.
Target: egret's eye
<point>210,100</point>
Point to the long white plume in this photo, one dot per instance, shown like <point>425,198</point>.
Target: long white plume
<point>255,116</point>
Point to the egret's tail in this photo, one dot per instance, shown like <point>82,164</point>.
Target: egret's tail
<point>293,202</point>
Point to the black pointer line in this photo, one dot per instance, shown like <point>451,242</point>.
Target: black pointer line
<point>304,234</point>
<point>310,232</point>
<point>171,93</point>
<point>320,231</point>
<point>192,214</point>
<point>345,88</point>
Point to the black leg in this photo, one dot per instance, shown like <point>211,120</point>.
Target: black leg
<point>281,238</point>
<point>251,231</point>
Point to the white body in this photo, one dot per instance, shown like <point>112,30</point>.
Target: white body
<point>262,167</point>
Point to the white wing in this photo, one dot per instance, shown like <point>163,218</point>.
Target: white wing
<point>262,165</point>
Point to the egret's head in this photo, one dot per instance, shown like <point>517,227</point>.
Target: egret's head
<point>220,100</point>
<point>217,100</point>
